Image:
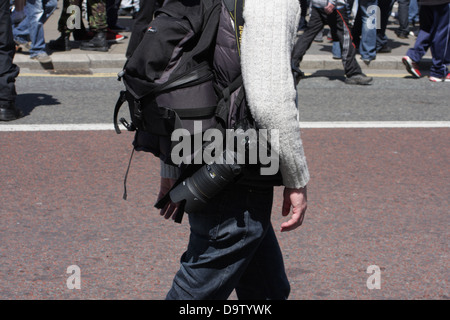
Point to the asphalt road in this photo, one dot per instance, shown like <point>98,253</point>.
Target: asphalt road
<point>323,97</point>
<point>378,196</point>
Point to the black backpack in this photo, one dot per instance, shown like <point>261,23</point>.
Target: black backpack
<point>169,78</point>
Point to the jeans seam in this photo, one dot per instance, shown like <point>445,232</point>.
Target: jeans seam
<point>241,242</point>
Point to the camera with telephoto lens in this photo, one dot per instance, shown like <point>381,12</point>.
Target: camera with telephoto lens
<point>198,189</point>
<point>204,184</point>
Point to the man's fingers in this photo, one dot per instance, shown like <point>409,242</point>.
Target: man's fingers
<point>295,222</point>
<point>289,226</point>
<point>295,199</point>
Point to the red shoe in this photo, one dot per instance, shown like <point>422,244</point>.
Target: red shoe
<point>411,66</point>
<point>113,37</point>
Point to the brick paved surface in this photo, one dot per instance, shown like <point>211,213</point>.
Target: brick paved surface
<point>377,197</point>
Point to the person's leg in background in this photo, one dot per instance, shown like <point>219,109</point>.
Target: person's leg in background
<point>21,33</point>
<point>38,12</point>
<point>112,15</point>
<point>63,43</point>
<point>304,10</point>
<point>368,41</point>
<point>315,25</point>
<point>440,42</point>
<point>97,24</point>
<point>413,13</point>
<point>8,70</point>
<point>385,12</point>
<point>423,42</point>
<point>403,12</point>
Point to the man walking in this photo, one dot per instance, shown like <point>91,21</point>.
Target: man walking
<point>333,13</point>
<point>232,243</point>
<point>434,33</point>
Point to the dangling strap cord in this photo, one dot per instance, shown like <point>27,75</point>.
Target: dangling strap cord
<point>125,195</point>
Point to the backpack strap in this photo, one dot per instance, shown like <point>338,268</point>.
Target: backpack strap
<point>119,103</point>
<point>196,112</point>
<point>236,10</point>
<point>201,74</point>
<point>224,97</point>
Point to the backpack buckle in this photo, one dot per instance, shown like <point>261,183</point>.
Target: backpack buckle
<point>128,126</point>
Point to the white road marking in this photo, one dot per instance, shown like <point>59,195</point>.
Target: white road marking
<point>304,125</point>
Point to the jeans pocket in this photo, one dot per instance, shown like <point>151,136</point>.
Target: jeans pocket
<point>215,216</point>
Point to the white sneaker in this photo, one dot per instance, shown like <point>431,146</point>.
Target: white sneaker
<point>436,79</point>
<point>42,57</point>
<point>22,46</point>
<point>411,66</point>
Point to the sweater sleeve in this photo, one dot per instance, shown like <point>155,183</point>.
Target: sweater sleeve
<point>267,41</point>
<point>168,171</point>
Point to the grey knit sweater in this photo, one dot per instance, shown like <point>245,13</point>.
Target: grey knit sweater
<point>267,42</point>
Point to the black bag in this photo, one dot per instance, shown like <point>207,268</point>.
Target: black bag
<point>169,79</point>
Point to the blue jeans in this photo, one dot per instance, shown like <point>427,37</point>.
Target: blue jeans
<point>232,246</point>
<point>434,35</point>
<point>366,30</point>
<point>32,27</point>
<point>336,50</point>
<point>413,14</point>
<point>367,46</point>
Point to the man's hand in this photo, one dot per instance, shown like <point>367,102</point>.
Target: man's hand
<point>295,198</point>
<point>329,8</point>
<point>170,208</point>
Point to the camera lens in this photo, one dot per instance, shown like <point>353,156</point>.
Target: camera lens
<point>204,184</point>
